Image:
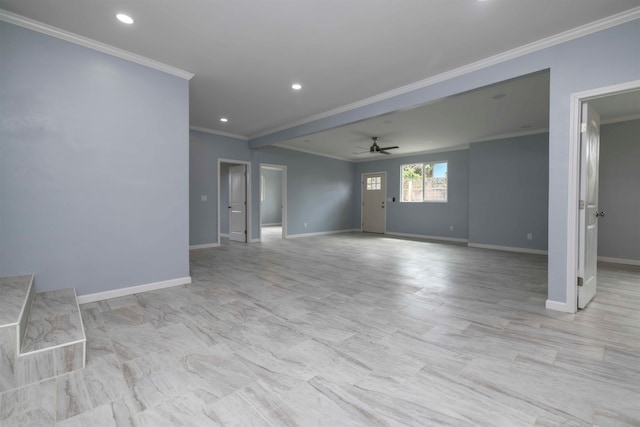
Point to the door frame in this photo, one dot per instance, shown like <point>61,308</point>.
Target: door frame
<point>386,205</point>
<point>574,181</point>
<point>283,182</point>
<point>248,167</point>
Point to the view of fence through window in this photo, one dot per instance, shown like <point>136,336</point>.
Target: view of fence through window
<point>424,182</point>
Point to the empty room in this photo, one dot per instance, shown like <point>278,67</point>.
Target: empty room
<point>301,213</point>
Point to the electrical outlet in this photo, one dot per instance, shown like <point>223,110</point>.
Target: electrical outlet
<point>203,198</point>
<point>529,236</point>
<point>451,228</point>
<point>305,225</point>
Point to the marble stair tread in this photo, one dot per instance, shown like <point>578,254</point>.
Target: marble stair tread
<point>54,321</point>
<point>15,292</point>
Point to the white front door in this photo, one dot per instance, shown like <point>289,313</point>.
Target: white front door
<point>374,194</point>
<point>588,209</point>
<point>238,203</point>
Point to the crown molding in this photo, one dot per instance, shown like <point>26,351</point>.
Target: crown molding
<point>417,153</point>
<point>58,33</point>
<point>581,31</point>
<point>218,132</point>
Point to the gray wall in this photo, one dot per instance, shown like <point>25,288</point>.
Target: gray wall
<point>619,196</point>
<point>93,167</point>
<point>319,190</point>
<point>429,218</point>
<point>270,210</point>
<point>204,151</point>
<point>509,192</point>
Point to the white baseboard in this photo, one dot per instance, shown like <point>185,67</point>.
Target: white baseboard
<point>205,246</point>
<point>423,236</point>
<point>321,233</point>
<point>271,224</point>
<point>254,241</point>
<point>224,235</point>
<point>558,306</point>
<point>619,260</point>
<point>99,296</point>
<point>508,249</point>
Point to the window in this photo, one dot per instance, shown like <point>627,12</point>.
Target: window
<point>424,182</point>
<point>374,183</point>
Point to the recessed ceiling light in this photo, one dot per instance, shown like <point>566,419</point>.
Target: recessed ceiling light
<point>296,86</point>
<point>224,119</point>
<point>126,19</point>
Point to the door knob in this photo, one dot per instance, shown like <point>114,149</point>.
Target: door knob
<point>600,214</point>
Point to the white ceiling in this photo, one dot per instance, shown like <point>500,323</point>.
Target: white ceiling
<point>246,53</point>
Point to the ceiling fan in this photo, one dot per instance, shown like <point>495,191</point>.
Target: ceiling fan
<point>375,148</point>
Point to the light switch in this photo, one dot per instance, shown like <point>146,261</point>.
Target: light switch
<point>203,198</point>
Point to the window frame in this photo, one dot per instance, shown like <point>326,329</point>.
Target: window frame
<point>424,164</point>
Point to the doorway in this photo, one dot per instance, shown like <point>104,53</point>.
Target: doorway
<point>234,200</point>
<point>582,252</point>
<point>374,195</point>
<point>273,202</point>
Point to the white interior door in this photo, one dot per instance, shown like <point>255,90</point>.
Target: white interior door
<point>238,203</point>
<point>374,194</point>
<point>588,209</point>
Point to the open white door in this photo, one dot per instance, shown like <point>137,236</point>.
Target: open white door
<point>238,203</point>
<point>588,205</point>
<point>374,194</point>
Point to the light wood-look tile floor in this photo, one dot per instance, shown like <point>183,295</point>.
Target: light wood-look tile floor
<point>352,330</point>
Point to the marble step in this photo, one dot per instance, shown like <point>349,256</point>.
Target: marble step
<point>41,334</point>
<point>15,295</point>
<point>54,321</point>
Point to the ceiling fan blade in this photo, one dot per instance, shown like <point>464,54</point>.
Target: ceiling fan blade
<point>388,148</point>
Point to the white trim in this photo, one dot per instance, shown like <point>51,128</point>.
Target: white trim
<point>509,249</point>
<point>58,33</point>
<point>114,293</point>
<point>362,198</point>
<point>581,31</point>
<point>218,132</point>
<point>426,237</point>
<point>248,181</point>
<point>619,260</point>
<point>283,183</point>
<point>322,233</point>
<point>205,246</point>
<point>576,100</point>
<point>558,306</point>
<point>271,224</point>
<point>418,153</point>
